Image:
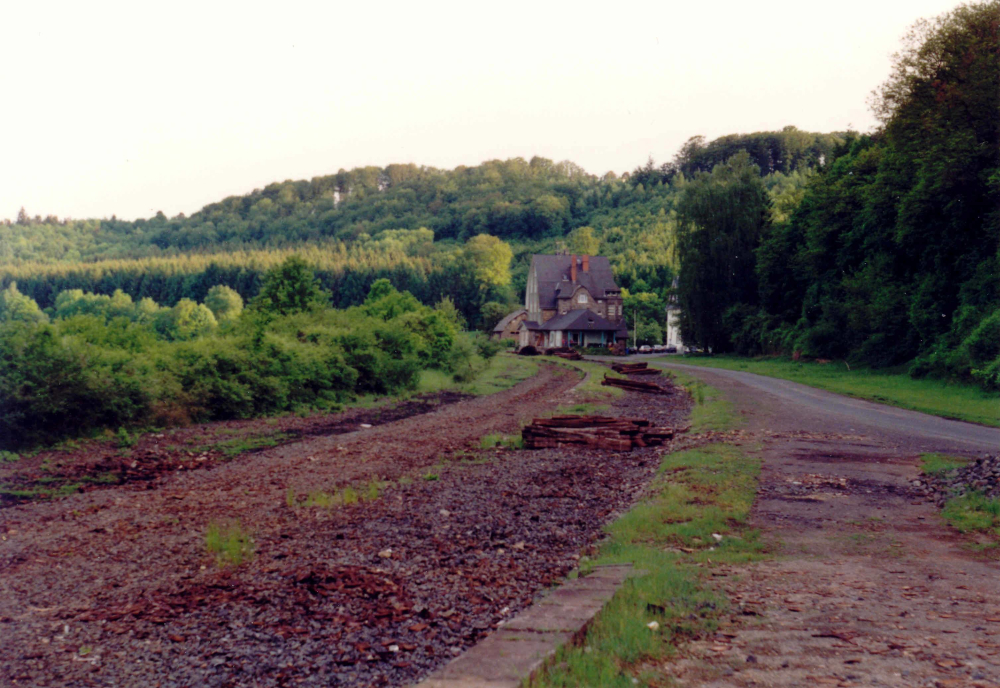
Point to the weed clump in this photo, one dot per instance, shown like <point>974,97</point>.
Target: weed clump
<point>502,441</point>
<point>230,544</point>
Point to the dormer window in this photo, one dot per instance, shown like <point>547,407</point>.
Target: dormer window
<point>582,298</point>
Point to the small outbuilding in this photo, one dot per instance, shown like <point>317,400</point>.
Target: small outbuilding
<point>508,327</point>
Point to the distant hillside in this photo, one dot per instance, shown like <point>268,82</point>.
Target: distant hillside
<point>402,222</point>
<point>515,200</point>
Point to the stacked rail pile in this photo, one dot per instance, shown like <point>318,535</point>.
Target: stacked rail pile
<point>634,385</point>
<point>634,369</point>
<point>599,432</point>
<point>564,352</point>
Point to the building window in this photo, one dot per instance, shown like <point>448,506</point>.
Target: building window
<point>611,310</point>
<point>582,298</point>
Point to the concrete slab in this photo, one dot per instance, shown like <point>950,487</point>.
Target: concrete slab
<point>505,656</point>
<point>549,618</point>
<point>522,645</point>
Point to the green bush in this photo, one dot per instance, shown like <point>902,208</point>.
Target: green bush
<point>97,370</point>
<point>50,390</point>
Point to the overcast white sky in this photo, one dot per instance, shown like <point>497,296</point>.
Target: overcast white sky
<point>129,108</point>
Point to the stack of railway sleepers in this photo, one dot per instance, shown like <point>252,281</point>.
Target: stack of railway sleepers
<point>564,352</point>
<point>634,385</point>
<point>599,432</point>
<point>634,369</point>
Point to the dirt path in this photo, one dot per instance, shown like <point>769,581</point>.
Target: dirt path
<point>869,587</point>
<point>114,587</point>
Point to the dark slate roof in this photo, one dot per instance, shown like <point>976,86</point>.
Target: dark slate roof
<point>507,318</point>
<point>530,325</point>
<point>553,277</point>
<point>580,319</point>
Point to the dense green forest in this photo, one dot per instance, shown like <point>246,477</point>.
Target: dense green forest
<point>404,223</point>
<point>890,256</point>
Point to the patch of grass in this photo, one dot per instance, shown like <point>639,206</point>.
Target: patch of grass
<point>973,513</point>
<point>242,445</point>
<point>372,491</point>
<point>501,372</point>
<point>345,496</point>
<point>45,489</point>
<point>711,411</point>
<point>230,544</point>
<point>349,495</point>
<point>124,439</point>
<point>69,445</point>
<point>433,380</point>
<point>323,500</point>
<point>698,495</point>
<point>503,441</point>
<point>430,477</point>
<point>937,397</point>
<point>102,479</point>
<point>9,457</point>
<point>591,386</point>
<point>937,464</point>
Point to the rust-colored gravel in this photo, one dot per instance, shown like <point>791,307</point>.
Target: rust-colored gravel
<point>114,587</point>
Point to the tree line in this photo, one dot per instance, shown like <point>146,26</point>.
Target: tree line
<point>890,256</point>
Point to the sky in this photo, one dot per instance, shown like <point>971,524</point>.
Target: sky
<point>130,108</point>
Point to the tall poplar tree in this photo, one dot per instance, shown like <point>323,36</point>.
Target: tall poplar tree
<point>720,220</point>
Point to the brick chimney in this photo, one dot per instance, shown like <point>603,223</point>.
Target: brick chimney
<point>586,263</point>
<point>572,268</point>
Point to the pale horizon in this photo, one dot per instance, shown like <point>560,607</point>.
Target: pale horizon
<point>116,109</point>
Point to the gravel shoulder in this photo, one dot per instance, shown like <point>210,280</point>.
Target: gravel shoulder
<point>868,585</point>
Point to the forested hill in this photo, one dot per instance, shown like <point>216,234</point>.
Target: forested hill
<point>513,199</point>
<point>892,255</point>
<point>406,223</point>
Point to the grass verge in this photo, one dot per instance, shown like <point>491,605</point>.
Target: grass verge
<point>710,411</point>
<point>693,518</point>
<point>975,513</point>
<point>970,514</point>
<point>948,400</point>
<point>935,464</point>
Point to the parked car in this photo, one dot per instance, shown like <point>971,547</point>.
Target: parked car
<point>645,349</point>
<point>671,350</point>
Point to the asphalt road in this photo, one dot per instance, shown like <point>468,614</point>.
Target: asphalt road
<point>783,405</point>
